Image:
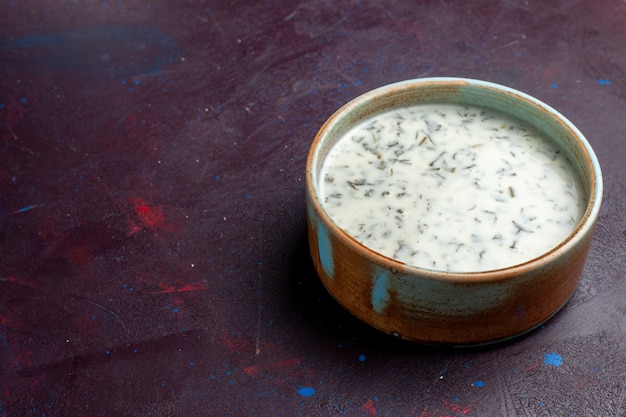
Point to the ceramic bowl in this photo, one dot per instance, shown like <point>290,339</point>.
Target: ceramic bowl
<point>450,308</point>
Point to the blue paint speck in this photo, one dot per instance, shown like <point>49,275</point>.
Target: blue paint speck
<point>555,85</point>
<point>604,82</point>
<point>306,391</point>
<point>361,358</point>
<point>26,208</point>
<point>479,384</point>
<point>553,359</point>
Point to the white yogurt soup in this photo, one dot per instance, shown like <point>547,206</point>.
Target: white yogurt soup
<point>450,188</point>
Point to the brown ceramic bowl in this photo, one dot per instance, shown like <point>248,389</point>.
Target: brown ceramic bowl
<point>451,308</point>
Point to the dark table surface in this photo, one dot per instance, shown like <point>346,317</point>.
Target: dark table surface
<point>154,259</point>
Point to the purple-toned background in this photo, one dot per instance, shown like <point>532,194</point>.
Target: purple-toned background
<point>153,254</point>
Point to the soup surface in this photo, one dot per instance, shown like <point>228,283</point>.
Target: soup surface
<point>450,188</point>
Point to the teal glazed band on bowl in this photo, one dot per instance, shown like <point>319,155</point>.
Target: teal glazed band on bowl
<point>424,208</point>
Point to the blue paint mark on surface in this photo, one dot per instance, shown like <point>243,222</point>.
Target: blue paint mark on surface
<point>380,292</point>
<point>27,208</point>
<point>555,85</point>
<point>101,50</point>
<point>362,358</point>
<point>306,391</point>
<point>479,384</point>
<point>553,359</point>
<point>326,250</point>
<point>604,82</point>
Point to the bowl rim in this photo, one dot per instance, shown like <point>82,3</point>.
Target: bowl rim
<point>584,227</point>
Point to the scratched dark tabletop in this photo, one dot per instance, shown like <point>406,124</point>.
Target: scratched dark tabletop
<point>153,253</point>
